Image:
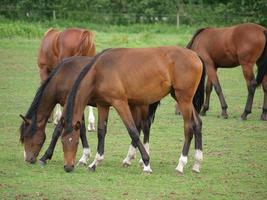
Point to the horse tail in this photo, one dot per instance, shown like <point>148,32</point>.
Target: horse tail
<point>198,99</point>
<point>86,43</point>
<point>49,30</point>
<point>152,111</point>
<point>189,45</point>
<point>262,62</point>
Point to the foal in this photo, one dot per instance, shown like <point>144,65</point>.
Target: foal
<point>244,45</point>
<point>57,45</point>
<point>125,78</point>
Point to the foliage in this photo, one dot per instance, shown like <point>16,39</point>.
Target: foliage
<point>138,11</point>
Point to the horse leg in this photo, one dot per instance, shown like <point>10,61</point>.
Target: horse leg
<point>123,110</point>
<point>132,149</point>
<point>49,152</point>
<point>57,114</point>
<point>251,87</point>
<point>211,71</point>
<point>207,100</point>
<point>91,120</point>
<point>86,149</point>
<point>101,133</point>
<point>186,110</point>
<point>146,124</point>
<point>264,107</point>
<point>198,141</point>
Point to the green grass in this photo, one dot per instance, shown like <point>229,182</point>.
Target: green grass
<point>234,151</point>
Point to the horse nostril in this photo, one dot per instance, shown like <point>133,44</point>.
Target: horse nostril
<point>68,168</point>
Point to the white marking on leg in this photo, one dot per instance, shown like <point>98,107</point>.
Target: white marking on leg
<point>130,155</point>
<point>146,145</point>
<point>58,114</point>
<point>85,156</point>
<point>98,159</point>
<point>147,169</point>
<point>198,160</point>
<point>91,119</point>
<point>181,164</point>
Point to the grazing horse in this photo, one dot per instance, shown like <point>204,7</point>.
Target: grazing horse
<point>125,78</point>
<point>55,90</point>
<point>57,45</point>
<point>244,45</point>
<point>52,91</point>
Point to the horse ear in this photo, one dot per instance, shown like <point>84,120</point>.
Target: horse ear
<point>77,126</point>
<point>27,122</point>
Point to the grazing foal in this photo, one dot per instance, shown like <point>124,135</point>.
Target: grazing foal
<point>125,78</point>
<point>57,45</point>
<point>244,45</point>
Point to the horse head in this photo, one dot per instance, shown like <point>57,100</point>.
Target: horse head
<point>32,136</point>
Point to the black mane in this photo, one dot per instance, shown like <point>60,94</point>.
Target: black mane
<point>189,45</point>
<point>73,92</point>
<point>32,111</point>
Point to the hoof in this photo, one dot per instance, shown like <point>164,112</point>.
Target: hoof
<point>81,163</point>
<point>244,116</point>
<point>126,163</point>
<point>196,168</point>
<point>147,169</point>
<point>179,169</point>
<point>92,168</point>
<point>179,173</point>
<point>224,115</point>
<point>42,162</point>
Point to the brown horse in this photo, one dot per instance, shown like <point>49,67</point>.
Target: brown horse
<point>57,45</point>
<point>54,90</point>
<point>244,45</point>
<point>125,78</point>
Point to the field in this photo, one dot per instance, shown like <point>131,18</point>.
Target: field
<point>235,158</point>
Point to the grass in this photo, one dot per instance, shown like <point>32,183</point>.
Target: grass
<point>234,151</point>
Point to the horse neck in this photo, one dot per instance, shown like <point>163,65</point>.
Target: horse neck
<point>45,109</point>
<point>83,95</point>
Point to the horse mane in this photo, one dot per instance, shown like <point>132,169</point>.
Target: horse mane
<point>32,111</point>
<point>189,45</point>
<point>74,89</point>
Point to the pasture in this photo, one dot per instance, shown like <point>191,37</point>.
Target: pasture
<point>235,158</point>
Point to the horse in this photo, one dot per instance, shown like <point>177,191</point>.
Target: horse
<point>54,90</point>
<point>243,44</point>
<point>130,77</point>
<point>57,45</point>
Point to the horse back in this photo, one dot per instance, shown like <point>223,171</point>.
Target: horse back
<point>134,72</point>
<point>226,47</point>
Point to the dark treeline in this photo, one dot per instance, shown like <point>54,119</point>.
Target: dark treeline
<point>138,11</point>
